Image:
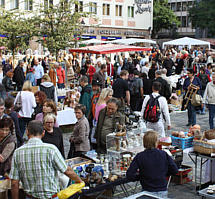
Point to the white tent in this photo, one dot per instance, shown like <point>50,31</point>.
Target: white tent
<point>93,41</point>
<point>186,41</point>
<point>132,41</point>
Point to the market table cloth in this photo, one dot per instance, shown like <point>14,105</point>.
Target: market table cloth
<point>66,117</point>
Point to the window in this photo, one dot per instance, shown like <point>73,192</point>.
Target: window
<point>183,21</point>
<point>179,6</point>
<point>190,4</point>
<point>79,7</point>
<point>48,3</point>
<point>93,8</point>
<point>2,2</point>
<point>14,4</point>
<point>106,9</point>
<point>184,6</point>
<point>118,10</point>
<point>179,19</point>
<point>173,7</point>
<point>131,11</point>
<point>28,4</point>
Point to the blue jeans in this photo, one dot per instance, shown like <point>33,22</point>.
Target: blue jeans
<point>191,114</point>
<point>211,108</point>
<point>161,194</point>
<point>23,122</point>
<point>61,85</point>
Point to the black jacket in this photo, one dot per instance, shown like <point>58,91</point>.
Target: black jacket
<point>165,88</point>
<point>8,84</point>
<point>18,75</point>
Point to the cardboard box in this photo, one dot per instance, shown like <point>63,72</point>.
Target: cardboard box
<point>184,175</point>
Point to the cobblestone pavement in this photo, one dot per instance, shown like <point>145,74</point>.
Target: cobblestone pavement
<point>179,121</point>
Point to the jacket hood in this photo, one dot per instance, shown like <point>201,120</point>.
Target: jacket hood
<point>47,84</point>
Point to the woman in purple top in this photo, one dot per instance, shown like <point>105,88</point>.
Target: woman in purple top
<point>49,106</point>
<point>105,95</point>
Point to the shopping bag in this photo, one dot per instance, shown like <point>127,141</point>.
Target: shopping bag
<point>71,190</point>
<point>18,104</point>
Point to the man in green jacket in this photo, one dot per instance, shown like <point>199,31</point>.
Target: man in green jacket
<point>86,94</point>
<point>107,123</point>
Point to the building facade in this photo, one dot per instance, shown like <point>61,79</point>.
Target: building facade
<point>113,19</point>
<point>181,10</point>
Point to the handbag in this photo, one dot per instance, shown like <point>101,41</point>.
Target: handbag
<point>18,104</point>
<point>196,100</point>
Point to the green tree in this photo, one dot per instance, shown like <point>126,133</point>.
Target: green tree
<point>203,17</point>
<point>18,28</point>
<point>60,24</point>
<point>163,17</point>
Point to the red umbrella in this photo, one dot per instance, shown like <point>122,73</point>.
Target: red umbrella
<point>108,48</point>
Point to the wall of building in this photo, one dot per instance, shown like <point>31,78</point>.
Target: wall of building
<point>180,8</point>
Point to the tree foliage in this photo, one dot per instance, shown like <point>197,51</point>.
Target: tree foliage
<point>17,30</point>
<point>60,24</point>
<point>202,15</point>
<point>163,17</point>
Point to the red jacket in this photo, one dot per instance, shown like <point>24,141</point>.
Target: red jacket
<point>91,70</point>
<point>60,75</point>
<point>108,70</point>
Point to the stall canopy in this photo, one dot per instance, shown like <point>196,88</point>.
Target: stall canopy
<point>108,48</point>
<point>132,41</point>
<point>93,41</point>
<point>186,41</point>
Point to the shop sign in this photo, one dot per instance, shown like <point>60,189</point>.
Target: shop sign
<point>109,32</point>
<point>143,6</point>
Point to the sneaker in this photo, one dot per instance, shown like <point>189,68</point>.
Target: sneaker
<point>188,124</point>
<point>202,113</point>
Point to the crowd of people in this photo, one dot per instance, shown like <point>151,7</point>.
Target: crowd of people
<point>106,88</point>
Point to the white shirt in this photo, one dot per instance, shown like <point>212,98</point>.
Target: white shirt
<point>1,77</point>
<point>39,72</point>
<point>145,69</point>
<point>163,108</point>
<point>28,103</point>
<point>209,94</point>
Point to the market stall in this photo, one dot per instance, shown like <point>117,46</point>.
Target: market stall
<point>186,41</point>
<point>108,48</point>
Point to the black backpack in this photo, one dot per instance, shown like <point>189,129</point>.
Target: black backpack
<point>133,87</point>
<point>152,111</point>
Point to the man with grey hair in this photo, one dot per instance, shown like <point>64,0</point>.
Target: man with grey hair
<point>163,75</point>
<point>18,75</point>
<point>165,89</point>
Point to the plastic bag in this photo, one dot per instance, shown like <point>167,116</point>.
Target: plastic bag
<point>71,190</point>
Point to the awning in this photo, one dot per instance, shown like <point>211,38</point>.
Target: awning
<point>186,41</point>
<point>108,48</point>
<point>133,41</point>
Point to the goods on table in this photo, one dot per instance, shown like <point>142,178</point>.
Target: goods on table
<point>211,189</point>
<point>206,144</point>
<point>78,161</point>
<point>196,131</point>
<point>119,162</point>
<point>182,139</point>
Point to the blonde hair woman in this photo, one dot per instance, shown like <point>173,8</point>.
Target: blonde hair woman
<point>28,104</point>
<point>105,95</point>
